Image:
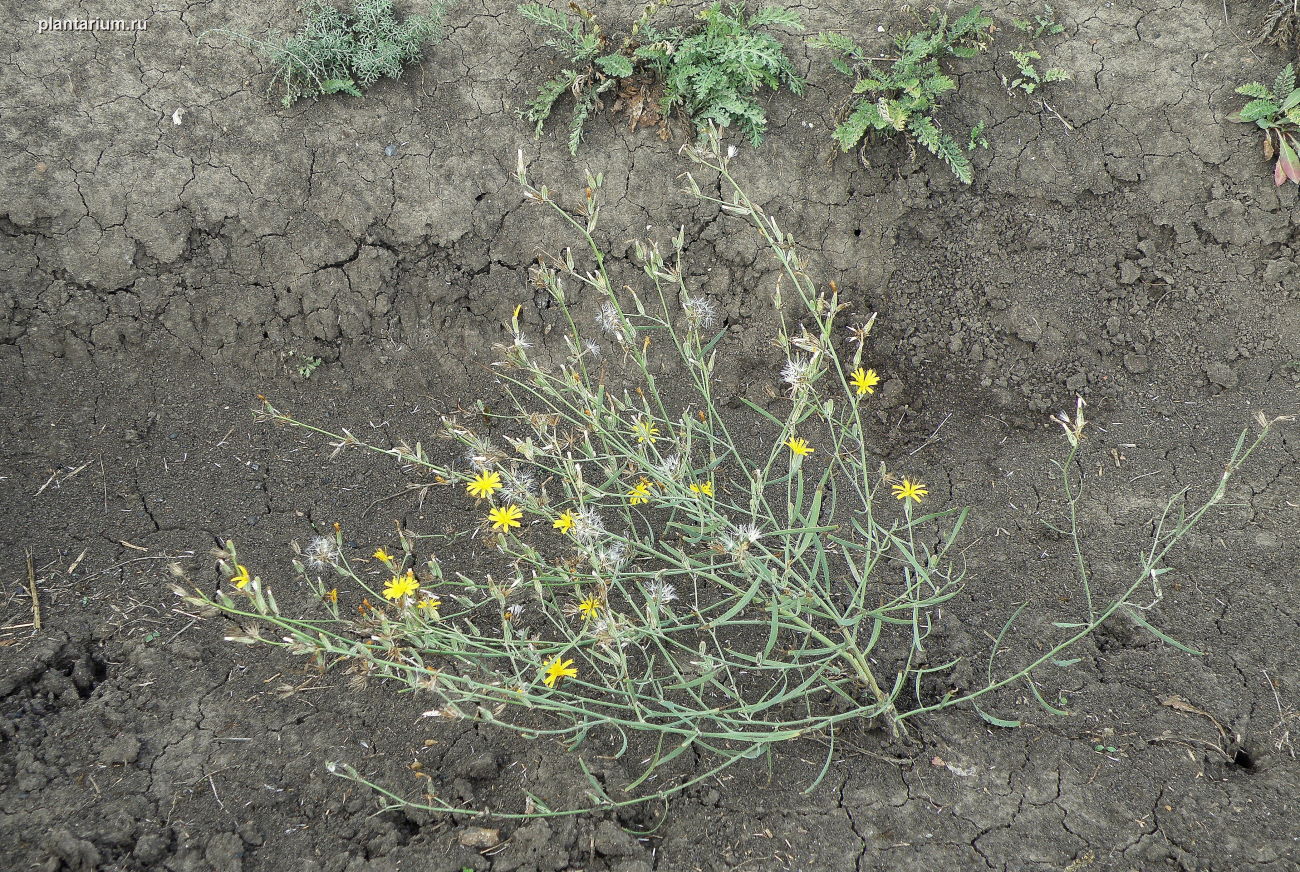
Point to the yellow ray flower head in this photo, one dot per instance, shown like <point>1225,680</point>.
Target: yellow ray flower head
<point>865,380</point>
<point>381,554</point>
<point>645,431</point>
<point>241,577</point>
<point>557,669</point>
<point>401,585</point>
<point>910,490</point>
<point>703,489</point>
<point>565,522</point>
<point>799,446</point>
<point>640,493</point>
<point>504,517</point>
<point>588,607</point>
<point>484,484</point>
<point>429,602</point>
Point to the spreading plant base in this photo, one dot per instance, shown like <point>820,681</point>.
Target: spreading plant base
<point>344,52</point>
<point>709,74</point>
<point>659,579</point>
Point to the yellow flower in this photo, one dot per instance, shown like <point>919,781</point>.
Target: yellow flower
<point>588,607</point>
<point>705,489</point>
<point>645,431</point>
<point>241,577</point>
<point>332,595</point>
<point>640,493</point>
<point>429,602</point>
<point>381,554</point>
<point>504,517</point>
<point>484,484</point>
<point>799,446</point>
<point>865,380</point>
<point>910,490</point>
<point>557,669</point>
<point>565,522</point>
<point>402,585</point>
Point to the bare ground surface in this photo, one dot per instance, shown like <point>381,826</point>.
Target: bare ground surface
<point>158,275</point>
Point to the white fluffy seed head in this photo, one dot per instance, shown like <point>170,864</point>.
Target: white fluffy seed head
<point>588,527</point>
<point>797,372</point>
<point>613,323</point>
<point>700,312</point>
<point>520,485</point>
<point>610,558</point>
<point>670,467</point>
<point>321,551</point>
<point>481,455</point>
<point>661,592</point>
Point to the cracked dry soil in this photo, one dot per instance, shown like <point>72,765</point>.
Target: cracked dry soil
<point>158,275</point>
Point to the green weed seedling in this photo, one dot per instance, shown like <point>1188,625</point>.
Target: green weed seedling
<point>594,65</point>
<point>337,52</point>
<point>1282,24</point>
<point>1040,25</point>
<point>713,74</point>
<point>309,366</point>
<point>710,73</point>
<point>1030,76</point>
<point>1276,111</point>
<point>902,98</point>
<point>1027,58</point>
<point>303,365</point>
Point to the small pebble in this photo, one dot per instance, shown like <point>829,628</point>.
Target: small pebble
<point>479,838</point>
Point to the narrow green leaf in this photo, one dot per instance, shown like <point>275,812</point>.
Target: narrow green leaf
<point>764,412</point>
<point>997,642</point>
<point>1044,703</point>
<point>994,720</point>
<point>1159,634</point>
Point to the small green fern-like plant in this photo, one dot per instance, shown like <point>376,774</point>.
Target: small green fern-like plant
<point>1039,26</point>
<point>595,65</point>
<point>709,73</point>
<point>337,52</point>
<point>901,99</point>
<point>1027,58</point>
<point>1276,111</point>
<point>713,74</point>
<point>1282,24</point>
<point>1031,77</point>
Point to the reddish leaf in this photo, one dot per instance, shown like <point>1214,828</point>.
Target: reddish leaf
<point>1279,177</point>
<point>1288,160</point>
